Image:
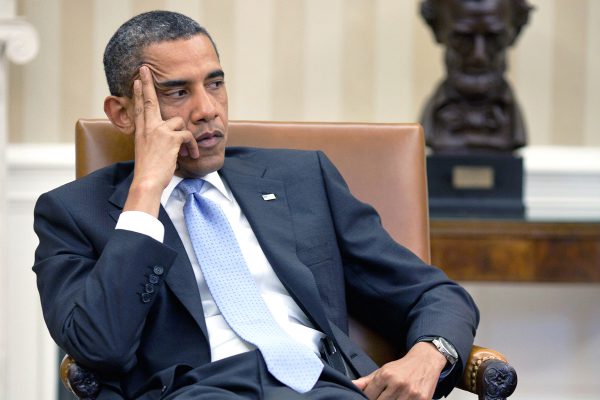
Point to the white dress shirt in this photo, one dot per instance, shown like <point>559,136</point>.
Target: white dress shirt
<point>224,342</point>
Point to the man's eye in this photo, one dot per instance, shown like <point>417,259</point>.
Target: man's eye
<point>176,93</point>
<point>216,84</point>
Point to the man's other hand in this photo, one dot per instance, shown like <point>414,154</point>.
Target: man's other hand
<point>413,377</point>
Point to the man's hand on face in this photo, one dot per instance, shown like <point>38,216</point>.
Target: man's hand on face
<point>413,377</point>
<point>157,145</point>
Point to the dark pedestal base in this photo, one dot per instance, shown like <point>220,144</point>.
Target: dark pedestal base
<point>482,186</point>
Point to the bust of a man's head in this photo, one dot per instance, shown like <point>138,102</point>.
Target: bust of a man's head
<point>474,107</point>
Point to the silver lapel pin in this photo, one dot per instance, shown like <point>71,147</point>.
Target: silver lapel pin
<point>269,196</point>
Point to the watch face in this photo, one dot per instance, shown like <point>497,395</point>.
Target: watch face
<point>448,350</point>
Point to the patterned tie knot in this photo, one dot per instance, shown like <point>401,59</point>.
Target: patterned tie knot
<point>191,186</point>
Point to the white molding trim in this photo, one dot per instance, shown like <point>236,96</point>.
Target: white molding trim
<point>562,183</point>
<point>37,168</point>
<point>20,38</point>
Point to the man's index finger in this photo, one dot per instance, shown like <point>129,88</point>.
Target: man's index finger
<point>151,108</point>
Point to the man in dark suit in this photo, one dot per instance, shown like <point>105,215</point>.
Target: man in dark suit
<point>122,288</point>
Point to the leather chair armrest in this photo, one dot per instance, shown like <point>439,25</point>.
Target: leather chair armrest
<point>488,375</point>
<point>83,383</point>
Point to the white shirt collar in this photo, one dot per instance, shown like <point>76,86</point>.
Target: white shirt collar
<point>213,178</point>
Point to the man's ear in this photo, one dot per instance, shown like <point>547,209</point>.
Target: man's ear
<point>119,111</point>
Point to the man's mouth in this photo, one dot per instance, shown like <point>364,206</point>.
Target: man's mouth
<point>209,139</point>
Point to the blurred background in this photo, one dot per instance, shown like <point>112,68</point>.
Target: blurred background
<point>308,60</point>
<point>338,60</point>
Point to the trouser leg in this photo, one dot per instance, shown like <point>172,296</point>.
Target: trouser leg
<point>232,378</point>
<point>245,376</point>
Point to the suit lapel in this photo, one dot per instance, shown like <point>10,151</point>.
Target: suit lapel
<point>180,279</point>
<point>272,224</point>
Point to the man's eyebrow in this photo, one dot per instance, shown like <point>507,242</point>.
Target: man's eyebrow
<point>182,82</point>
<point>218,73</point>
<point>171,84</point>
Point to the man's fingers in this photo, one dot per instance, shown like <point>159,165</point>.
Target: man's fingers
<point>152,115</point>
<point>148,118</point>
<point>189,148</point>
<point>138,105</point>
<point>362,382</point>
<point>374,389</point>
<point>175,124</point>
<point>369,387</point>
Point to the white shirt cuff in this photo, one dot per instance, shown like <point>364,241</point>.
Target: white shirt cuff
<point>141,222</point>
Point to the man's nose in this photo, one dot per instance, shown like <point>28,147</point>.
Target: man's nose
<point>204,106</point>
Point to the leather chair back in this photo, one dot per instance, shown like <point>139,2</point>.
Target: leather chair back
<point>383,164</point>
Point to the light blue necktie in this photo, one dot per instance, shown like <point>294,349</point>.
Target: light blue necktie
<point>237,296</point>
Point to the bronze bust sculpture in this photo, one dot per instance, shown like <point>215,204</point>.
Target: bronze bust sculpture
<point>474,109</point>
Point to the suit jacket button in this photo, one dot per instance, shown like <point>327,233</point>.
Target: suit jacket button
<point>146,297</point>
<point>153,279</point>
<point>149,288</point>
<point>158,270</point>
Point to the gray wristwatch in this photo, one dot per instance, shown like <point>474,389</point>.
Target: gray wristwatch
<point>444,347</point>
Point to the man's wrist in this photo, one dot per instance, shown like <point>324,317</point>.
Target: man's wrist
<point>443,346</point>
<point>145,197</point>
<point>433,355</point>
<point>449,366</point>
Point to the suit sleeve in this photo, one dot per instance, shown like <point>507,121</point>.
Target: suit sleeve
<point>95,300</point>
<point>391,289</point>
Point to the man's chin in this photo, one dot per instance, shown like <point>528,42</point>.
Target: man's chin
<point>194,168</point>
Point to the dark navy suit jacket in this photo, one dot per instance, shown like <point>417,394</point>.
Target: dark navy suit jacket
<point>128,306</point>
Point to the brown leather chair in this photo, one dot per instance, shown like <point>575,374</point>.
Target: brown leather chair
<point>370,157</point>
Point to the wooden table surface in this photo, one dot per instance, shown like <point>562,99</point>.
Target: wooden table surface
<point>516,251</point>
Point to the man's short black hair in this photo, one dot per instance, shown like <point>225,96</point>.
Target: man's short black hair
<point>123,53</point>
